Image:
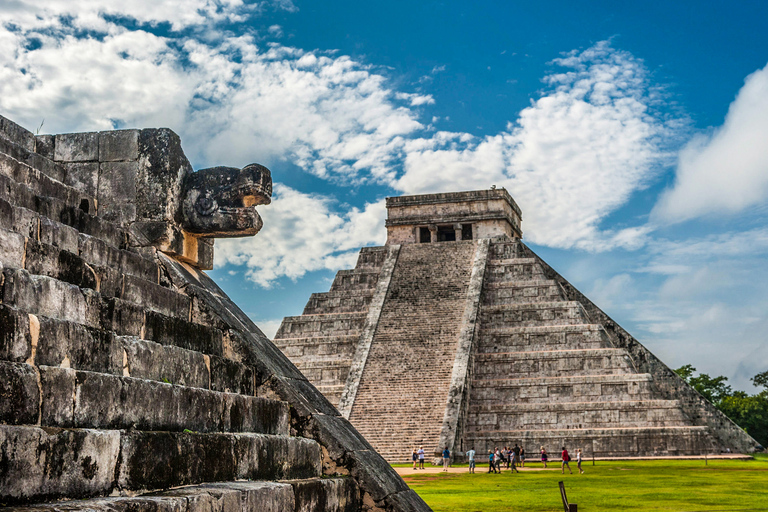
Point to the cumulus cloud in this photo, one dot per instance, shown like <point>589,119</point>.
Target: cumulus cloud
<point>302,233</point>
<point>231,98</point>
<point>724,172</point>
<point>571,158</point>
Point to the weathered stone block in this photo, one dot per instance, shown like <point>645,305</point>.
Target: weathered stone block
<point>72,344</point>
<point>230,376</point>
<point>326,495</point>
<point>44,145</point>
<point>261,496</point>
<point>49,463</point>
<point>47,296</point>
<point>117,191</point>
<point>58,235</point>
<point>149,360</point>
<point>19,394</point>
<point>261,457</point>
<point>119,145</point>
<point>58,393</point>
<point>175,331</point>
<point>122,317</point>
<point>83,176</point>
<point>11,249</point>
<point>15,336</point>
<point>16,134</point>
<point>77,147</point>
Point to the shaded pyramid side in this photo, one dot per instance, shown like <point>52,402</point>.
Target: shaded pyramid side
<point>551,369</point>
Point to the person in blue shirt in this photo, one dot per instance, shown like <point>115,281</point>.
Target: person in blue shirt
<point>446,459</point>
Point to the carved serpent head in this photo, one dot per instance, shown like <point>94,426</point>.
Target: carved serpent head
<point>220,201</point>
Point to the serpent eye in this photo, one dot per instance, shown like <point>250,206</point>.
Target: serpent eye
<point>206,205</point>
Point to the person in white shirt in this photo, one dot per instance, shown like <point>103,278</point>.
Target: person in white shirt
<point>471,458</point>
<point>421,457</point>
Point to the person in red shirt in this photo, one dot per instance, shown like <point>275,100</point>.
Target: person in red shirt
<point>566,459</point>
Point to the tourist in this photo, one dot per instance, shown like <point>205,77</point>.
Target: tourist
<point>508,453</point>
<point>471,458</point>
<point>497,460</point>
<point>544,457</point>
<point>415,457</point>
<point>421,457</point>
<point>566,458</point>
<point>522,456</point>
<point>491,463</point>
<point>512,462</point>
<point>516,454</point>
<point>504,458</point>
<point>578,461</point>
<point>446,458</point>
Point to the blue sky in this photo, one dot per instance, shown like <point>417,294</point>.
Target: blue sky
<point>632,134</point>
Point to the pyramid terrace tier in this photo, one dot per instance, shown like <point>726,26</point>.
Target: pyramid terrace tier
<point>356,279</point>
<point>596,388</point>
<point>512,292</point>
<point>148,460</point>
<point>568,415</point>
<point>533,314</point>
<point>345,301</point>
<point>552,363</point>
<point>518,269</point>
<point>502,338</point>
<point>309,347</point>
<point>343,324</point>
<point>43,395</point>
<point>310,494</point>
<point>613,442</point>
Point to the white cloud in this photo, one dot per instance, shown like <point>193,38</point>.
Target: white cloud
<point>303,233</point>
<point>231,98</point>
<point>727,171</point>
<point>570,159</point>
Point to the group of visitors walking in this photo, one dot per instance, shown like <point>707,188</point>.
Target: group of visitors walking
<point>510,456</point>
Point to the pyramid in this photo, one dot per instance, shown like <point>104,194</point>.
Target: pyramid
<point>128,379</point>
<point>457,334</point>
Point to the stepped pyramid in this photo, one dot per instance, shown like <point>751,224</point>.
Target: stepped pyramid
<point>456,334</point>
<point>128,379</point>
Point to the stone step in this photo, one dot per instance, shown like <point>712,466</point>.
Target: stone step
<point>506,249</point>
<point>79,399</point>
<point>42,218</point>
<point>547,337</point>
<point>552,363</point>
<point>349,301</point>
<point>41,175</point>
<point>521,292</point>
<point>514,270</point>
<point>325,372</point>
<point>371,257</point>
<point>533,314</point>
<point>611,442</point>
<point>141,311</point>
<point>348,324</point>
<point>53,342</point>
<point>88,458</point>
<point>592,388</point>
<point>307,495</point>
<point>86,268</point>
<point>318,346</point>
<point>518,416</point>
<point>356,279</point>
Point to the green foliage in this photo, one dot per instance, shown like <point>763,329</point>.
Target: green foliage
<point>750,412</point>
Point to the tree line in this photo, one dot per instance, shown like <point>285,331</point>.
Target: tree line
<point>750,412</point>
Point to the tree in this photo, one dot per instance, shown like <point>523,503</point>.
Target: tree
<point>750,412</point>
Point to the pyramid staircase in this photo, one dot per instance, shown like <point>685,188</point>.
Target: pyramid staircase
<point>130,381</point>
<point>321,342</point>
<point>546,374</point>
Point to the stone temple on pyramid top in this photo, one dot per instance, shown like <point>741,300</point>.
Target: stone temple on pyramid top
<point>457,334</point>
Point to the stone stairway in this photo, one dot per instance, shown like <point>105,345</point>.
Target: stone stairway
<point>546,375</point>
<point>404,385</point>
<point>127,373</point>
<point>321,342</point>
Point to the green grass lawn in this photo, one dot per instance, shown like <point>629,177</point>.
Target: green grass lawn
<point>641,485</point>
